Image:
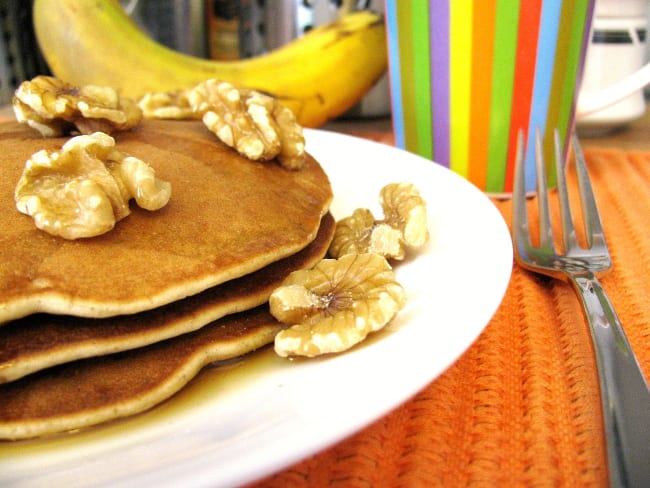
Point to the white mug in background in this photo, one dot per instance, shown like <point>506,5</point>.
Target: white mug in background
<point>615,72</point>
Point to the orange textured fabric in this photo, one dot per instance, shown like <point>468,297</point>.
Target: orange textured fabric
<point>521,407</point>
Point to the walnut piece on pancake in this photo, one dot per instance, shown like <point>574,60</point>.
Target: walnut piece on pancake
<point>254,124</point>
<point>335,305</point>
<point>84,189</point>
<point>55,108</point>
<point>404,225</point>
<point>173,105</point>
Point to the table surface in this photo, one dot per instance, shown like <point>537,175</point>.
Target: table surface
<point>521,406</point>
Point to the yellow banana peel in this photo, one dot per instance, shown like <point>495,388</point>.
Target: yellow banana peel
<point>319,75</point>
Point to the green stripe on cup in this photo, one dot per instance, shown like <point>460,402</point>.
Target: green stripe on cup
<point>503,73</point>
<point>407,59</point>
<point>571,37</point>
<point>557,96</point>
<point>422,77</point>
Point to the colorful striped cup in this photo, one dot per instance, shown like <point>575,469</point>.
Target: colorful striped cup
<point>468,75</point>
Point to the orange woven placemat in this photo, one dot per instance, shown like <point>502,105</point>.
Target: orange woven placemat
<point>521,406</point>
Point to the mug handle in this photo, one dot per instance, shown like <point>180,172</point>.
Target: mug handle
<point>589,103</point>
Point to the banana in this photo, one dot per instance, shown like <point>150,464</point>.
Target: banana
<point>318,76</point>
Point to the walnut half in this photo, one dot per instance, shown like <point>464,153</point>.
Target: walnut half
<point>254,124</point>
<point>84,189</point>
<point>167,105</point>
<point>335,305</point>
<point>55,108</point>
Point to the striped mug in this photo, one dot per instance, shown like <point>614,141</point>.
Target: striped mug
<point>468,75</point>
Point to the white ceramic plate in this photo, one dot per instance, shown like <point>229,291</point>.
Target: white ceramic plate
<point>265,413</point>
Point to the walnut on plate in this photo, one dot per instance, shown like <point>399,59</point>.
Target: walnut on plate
<point>404,225</point>
<point>406,210</point>
<point>335,305</point>
<point>84,189</point>
<point>360,233</point>
<point>167,105</point>
<point>55,108</point>
<point>254,124</point>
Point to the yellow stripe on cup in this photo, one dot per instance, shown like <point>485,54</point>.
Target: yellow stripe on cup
<point>460,43</point>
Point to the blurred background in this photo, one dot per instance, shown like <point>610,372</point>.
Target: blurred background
<point>20,58</point>
<point>216,29</point>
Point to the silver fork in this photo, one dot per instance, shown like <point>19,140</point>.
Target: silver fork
<point>625,397</point>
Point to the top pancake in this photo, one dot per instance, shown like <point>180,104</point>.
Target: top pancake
<point>227,217</point>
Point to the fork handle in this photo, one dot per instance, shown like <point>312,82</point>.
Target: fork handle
<point>624,392</point>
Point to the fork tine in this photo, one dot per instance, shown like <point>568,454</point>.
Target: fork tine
<point>519,213</point>
<point>593,225</point>
<point>545,229</point>
<point>568,226</point>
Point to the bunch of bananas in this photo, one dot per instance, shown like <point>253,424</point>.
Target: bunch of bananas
<point>319,75</point>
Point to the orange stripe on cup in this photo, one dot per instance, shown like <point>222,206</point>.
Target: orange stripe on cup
<point>481,90</point>
<point>529,22</point>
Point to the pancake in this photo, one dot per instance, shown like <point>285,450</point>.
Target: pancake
<point>227,217</point>
<point>39,341</point>
<point>96,390</point>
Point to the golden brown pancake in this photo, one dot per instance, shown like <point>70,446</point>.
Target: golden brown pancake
<point>95,390</point>
<point>227,217</point>
<point>39,341</point>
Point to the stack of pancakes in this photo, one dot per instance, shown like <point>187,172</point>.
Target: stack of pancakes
<point>100,328</point>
